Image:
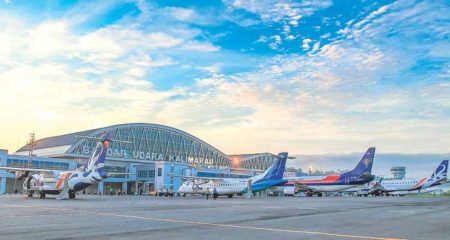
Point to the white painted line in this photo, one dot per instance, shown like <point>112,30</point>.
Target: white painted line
<point>209,224</point>
<point>302,208</point>
<point>401,211</point>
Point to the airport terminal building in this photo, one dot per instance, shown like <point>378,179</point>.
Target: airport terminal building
<point>157,158</point>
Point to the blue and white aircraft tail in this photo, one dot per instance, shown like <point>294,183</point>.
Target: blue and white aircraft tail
<point>274,172</point>
<point>364,167</point>
<point>439,175</point>
<point>97,161</point>
<point>273,176</point>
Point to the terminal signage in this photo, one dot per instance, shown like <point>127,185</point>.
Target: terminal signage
<point>152,156</point>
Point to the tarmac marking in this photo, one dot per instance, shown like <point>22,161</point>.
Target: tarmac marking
<point>206,223</point>
<point>402,211</point>
<point>303,208</point>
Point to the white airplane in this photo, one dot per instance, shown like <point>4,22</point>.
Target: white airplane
<point>361,174</point>
<point>230,186</point>
<point>66,183</point>
<point>438,177</point>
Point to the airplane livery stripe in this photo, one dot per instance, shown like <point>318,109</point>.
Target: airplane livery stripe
<point>61,180</point>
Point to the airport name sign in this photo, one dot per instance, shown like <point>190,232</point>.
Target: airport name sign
<point>153,156</point>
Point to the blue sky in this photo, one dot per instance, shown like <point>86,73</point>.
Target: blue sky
<point>309,77</point>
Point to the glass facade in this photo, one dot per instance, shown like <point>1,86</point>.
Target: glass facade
<point>152,143</point>
<point>25,163</point>
<point>115,169</point>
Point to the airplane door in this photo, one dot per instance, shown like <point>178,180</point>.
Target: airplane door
<point>249,188</point>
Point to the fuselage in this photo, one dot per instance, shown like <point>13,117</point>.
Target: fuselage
<point>334,183</point>
<point>226,186</point>
<point>54,183</point>
<point>404,185</point>
<point>273,176</point>
<point>223,187</point>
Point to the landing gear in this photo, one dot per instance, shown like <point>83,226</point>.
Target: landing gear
<point>184,195</point>
<point>71,195</point>
<point>30,195</point>
<point>41,195</point>
<point>319,194</point>
<point>230,195</point>
<point>309,194</point>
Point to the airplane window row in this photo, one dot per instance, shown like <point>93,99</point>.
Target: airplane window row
<point>393,183</point>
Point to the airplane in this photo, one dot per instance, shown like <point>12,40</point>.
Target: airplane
<point>66,183</point>
<point>273,176</point>
<point>438,177</point>
<point>316,185</point>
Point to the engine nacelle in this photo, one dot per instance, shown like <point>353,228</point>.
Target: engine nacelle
<point>289,191</point>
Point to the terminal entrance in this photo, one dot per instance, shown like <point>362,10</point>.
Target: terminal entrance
<point>112,188</point>
<point>145,180</point>
<point>140,187</point>
<point>145,188</point>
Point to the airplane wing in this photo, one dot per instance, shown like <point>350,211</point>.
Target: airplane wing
<point>116,173</point>
<point>13,169</point>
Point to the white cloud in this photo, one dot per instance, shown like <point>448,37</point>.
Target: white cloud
<point>201,47</point>
<point>306,43</point>
<point>182,14</point>
<point>276,11</point>
<point>337,98</point>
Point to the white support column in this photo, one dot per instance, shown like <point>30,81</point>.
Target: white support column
<point>100,188</point>
<point>2,185</point>
<point>3,162</point>
<point>125,187</point>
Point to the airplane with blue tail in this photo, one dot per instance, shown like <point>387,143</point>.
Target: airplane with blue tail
<point>273,176</point>
<point>316,185</point>
<point>438,177</point>
<point>66,183</point>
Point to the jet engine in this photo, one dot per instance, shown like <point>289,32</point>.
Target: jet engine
<point>289,191</point>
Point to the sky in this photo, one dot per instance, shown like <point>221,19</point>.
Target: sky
<point>309,77</point>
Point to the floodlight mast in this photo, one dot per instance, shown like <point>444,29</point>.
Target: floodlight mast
<point>31,146</point>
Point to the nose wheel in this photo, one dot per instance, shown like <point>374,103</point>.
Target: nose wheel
<point>42,195</point>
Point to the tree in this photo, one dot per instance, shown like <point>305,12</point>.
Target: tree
<point>291,169</point>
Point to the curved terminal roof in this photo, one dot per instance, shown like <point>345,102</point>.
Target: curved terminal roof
<point>72,139</point>
<point>149,142</point>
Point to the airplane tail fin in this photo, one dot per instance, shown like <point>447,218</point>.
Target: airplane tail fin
<point>364,166</point>
<point>97,160</point>
<point>276,171</point>
<point>439,175</point>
